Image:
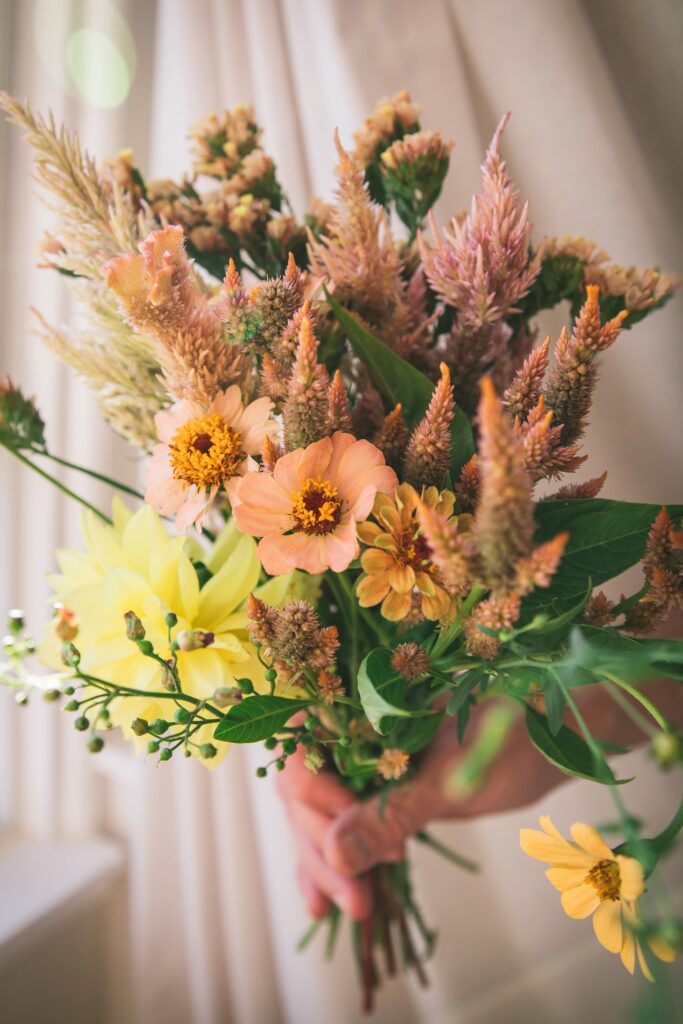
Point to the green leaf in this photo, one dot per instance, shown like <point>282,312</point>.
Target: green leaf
<point>413,736</point>
<point>399,381</point>
<point>466,685</point>
<point>379,687</point>
<point>605,538</point>
<point>555,702</point>
<point>256,718</point>
<point>566,750</point>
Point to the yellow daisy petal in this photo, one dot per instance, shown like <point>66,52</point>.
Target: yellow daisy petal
<point>580,902</point>
<point>607,925</point>
<point>590,840</point>
<point>566,878</point>
<point>643,962</point>
<point>632,882</point>
<point>553,851</point>
<point>662,950</point>
<point>628,952</point>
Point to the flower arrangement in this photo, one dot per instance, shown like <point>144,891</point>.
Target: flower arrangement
<point>340,544</point>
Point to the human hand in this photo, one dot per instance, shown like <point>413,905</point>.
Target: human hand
<point>340,838</point>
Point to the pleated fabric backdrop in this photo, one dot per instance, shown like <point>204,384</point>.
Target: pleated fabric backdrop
<point>594,142</point>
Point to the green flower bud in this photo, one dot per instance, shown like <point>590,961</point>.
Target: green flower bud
<point>21,698</point>
<point>71,656</point>
<point>183,716</point>
<point>194,639</point>
<point>261,773</point>
<point>104,714</point>
<point>140,726</point>
<point>271,675</point>
<point>207,751</point>
<point>226,696</point>
<point>68,690</point>
<point>81,723</point>
<point>187,752</point>
<point>280,765</point>
<point>145,647</point>
<point>171,620</point>
<point>344,741</point>
<point>72,705</point>
<point>153,746</point>
<point>15,621</point>
<point>270,743</point>
<point>134,628</point>
<point>667,749</point>
<point>289,746</point>
<point>158,726</point>
<point>95,744</point>
<point>51,695</point>
<point>311,723</point>
<point>245,685</point>
<point>166,754</point>
<point>314,760</point>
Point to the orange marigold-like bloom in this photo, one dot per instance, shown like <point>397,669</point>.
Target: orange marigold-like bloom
<point>398,561</point>
<point>307,511</point>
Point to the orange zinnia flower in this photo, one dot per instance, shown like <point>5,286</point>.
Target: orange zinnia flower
<point>398,563</point>
<point>307,511</point>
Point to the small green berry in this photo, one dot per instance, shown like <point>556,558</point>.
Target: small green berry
<point>261,773</point>
<point>166,754</point>
<point>68,690</point>
<point>81,723</point>
<point>183,716</point>
<point>207,751</point>
<point>311,723</point>
<point>15,621</point>
<point>171,620</point>
<point>280,765</point>
<point>271,675</point>
<point>305,739</point>
<point>153,746</point>
<point>145,647</point>
<point>158,726</point>
<point>140,726</point>
<point>245,685</point>
<point>289,746</point>
<point>270,743</point>
<point>95,744</point>
<point>21,698</point>
<point>187,752</point>
<point>72,705</point>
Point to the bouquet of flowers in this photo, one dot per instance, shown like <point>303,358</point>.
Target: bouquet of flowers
<point>340,544</point>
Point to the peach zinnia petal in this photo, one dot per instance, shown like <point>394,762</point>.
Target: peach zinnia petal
<point>263,507</point>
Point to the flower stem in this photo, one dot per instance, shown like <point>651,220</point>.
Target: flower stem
<point>89,472</point>
<point>60,486</point>
<point>455,858</point>
<point>641,698</point>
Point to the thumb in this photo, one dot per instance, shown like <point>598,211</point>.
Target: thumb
<point>369,833</point>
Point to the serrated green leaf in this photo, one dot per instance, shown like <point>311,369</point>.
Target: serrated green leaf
<point>256,718</point>
<point>379,687</point>
<point>399,381</point>
<point>566,750</point>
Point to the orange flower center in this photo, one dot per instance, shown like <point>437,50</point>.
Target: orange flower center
<point>605,879</point>
<point>316,508</point>
<point>206,451</point>
<point>412,549</point>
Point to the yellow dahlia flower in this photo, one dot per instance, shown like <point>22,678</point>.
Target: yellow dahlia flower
<point>595,880</point>
<point>135,565</point>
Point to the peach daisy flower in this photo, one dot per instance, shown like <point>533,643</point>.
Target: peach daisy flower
<point>202,450</point>
<point>307,511</point>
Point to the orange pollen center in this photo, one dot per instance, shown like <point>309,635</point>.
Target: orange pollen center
<point>605,879</point>
<point>316,508</point>
<point>206,451</point>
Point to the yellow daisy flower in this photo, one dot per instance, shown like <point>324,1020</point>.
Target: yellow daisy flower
<point>135,565</point>
<point>594,880</point>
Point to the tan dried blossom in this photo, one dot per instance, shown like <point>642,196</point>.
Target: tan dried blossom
<point>338,407</point>
<point>330,686</point>
<point>527,387</point>
<point>449,544</point>
<point>495,613</point>
<point>544,454</point>
<point>538,569</point>
<point>398,563</point>
<point>410,661</point>
<point>587,489</point>
<point>219,144</point>
<point>293,634</point>
<point>430,448</point>
<point>639,289</point>
<point>391,118</point>
<point>416,147</point>
<point>599,610</point>
<point>393,764</point>
<point>467,487</point>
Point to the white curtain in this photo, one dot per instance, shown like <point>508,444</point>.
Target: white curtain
<point>595,90</point>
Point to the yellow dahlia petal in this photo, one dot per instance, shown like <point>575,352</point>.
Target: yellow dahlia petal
<point>368,532</point>
<point>580,902</point>
<point>607,925</point>
<point>376,561</point>
<point>372,589</point>
<point>590,840</point>
<point>395,606</point>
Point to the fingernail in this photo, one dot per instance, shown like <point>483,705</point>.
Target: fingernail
<point>356,851</point>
